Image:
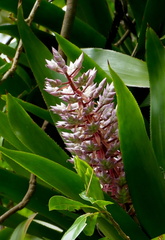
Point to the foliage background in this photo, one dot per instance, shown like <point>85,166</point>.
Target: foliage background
<point>128,34</point>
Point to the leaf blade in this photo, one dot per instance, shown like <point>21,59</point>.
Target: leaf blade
<point>156,62</point>
<point>141,176</point>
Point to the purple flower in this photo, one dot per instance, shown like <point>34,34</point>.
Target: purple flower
<point>88,113</point>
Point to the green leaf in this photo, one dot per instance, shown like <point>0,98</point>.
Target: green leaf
<point>40,112</point>
<point>57,176</point>
<point>38,202</point>
<point>162,237</point>
<point>105,238</point>
<point>91,182</point>
<point>10,52</point>
<point>20,232</point>
<point>5,233</point>
<point>63,203</point>
<point>131,70</point>
<point>7,133</point>
<point>34,47</point>
<point>102,203</point>
<point>144,178</point>
<point>156,63</point>
<point>56,14</point>
<point>88,11</point>
<point>138,8</point>
<point>31,135</point>
<point>91,223</point>
<point>154,17</point>
<point>77,227</point>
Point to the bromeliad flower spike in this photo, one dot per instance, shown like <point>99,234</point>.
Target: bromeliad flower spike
<point>89,113</point>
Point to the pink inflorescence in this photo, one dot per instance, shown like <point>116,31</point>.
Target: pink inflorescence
<point>87,110</point>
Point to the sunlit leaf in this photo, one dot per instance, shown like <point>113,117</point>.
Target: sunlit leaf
<point>63,203</point>
<point>92,183</point>
<point>77,227</point>
<point>161,237</point>
<point>132,71</point>
<point>20,231</point>
<point>102,203</point>
<point>91,224</point>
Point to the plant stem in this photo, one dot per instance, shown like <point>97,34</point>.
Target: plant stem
<point>68,22</point>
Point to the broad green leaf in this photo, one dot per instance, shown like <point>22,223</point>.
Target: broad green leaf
<point>35,228</point>
<point>38,50</point>
<point>91,224</point>
<point>144,178</point>
<point>54,22</point>
<point>162,237</point>
<point>24,76</point>
<point>105,238</point>
<point>63,203</point>
<point>32,136</point>
<point>138,7</point>
<point>13,84</point>
<point>77,227</point>
<point>57,176</point>
<point>156,63</point>
<point>59,3</point>
<point>10,29</point>
<point>64,180</point>
<point>102,203</point>
<point>39,201</point>
<point>38,111</point>
<point>131,70</point>
<point>4,68</point>
<point>7,133</point>
<point>5,233</point>
<point>153,17</point>
<point>91,182</point>
<point>10,52</point>
<point>20,231</point>
<point>92,11</point>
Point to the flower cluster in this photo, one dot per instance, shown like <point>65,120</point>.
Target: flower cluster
<point>88,113</point>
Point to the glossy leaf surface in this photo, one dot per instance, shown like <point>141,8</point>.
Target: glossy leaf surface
<point>143,174</point>
<point>39,201</point>
<point>87,35</point>
<point>132,71</point>
<point>76,228</point>
<point>92,185</point>
<point>31,135</point>
<point>88,11</point>
<point>156,63</point>
<point>57,176</point>
<point>20,231</point>
<point>63,203</point>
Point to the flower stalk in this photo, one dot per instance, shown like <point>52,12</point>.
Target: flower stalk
<point>88,113</point>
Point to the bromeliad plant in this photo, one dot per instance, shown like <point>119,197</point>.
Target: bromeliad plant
<point>89,113</point>
<point>108,180</point>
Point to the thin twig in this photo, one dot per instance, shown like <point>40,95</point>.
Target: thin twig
<point>28,195</point>
<point>23,203</point>
<point>125,35</point>
<point>33,11</point>
<point>14,63</point>
<point>68,22</point>
<point>20,45</point>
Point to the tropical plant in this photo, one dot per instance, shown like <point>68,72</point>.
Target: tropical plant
<point>82,128</point>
